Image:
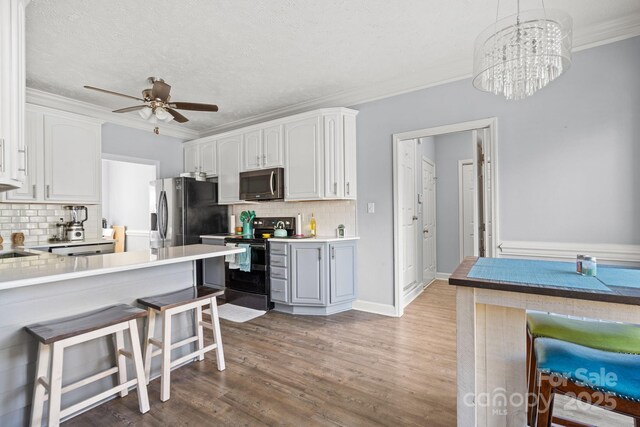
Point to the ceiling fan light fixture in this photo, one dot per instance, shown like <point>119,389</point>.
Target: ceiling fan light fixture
<point>145,113</point>
<point>163,115</point>
<point>520,54</point>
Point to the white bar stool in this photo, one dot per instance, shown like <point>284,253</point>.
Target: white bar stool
<point>168,305</point>
<point>56,335</point>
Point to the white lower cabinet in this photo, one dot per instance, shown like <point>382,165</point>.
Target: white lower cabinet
<point>63,158</point>
<point>313,277</point>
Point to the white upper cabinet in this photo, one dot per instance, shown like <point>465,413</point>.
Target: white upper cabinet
<point>13,156</point>
<point>333,156</point>
<point>63,158</point>
<point>229,158</point>
<point>262,148</point>
<point>200,157</point>
<point>72,160</point>
<point>349,156</point>
<point>303,159</point>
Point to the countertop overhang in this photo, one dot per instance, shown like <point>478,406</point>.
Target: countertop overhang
<point>46,267</point>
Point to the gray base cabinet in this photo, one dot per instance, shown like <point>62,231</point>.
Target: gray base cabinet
<point>213,268</point>
<point>313,277</point>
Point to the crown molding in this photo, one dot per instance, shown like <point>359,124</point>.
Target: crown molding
<point>596,35</point>
<point>46,99</point>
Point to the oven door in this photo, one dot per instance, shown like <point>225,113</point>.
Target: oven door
<point>257,280</point>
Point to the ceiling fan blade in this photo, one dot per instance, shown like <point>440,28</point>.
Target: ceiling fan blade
<point>193,106</point>
<point>160,90</point>
<point>113,93</point>
<point>177,116</point>
<point>126,110</point>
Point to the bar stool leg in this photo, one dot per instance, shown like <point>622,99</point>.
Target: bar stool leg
<point>143,397</point>
<point>55,383</point>
<point>148,347</point>
<point>217,336</point>
<point>165,378</point>
<point>42,367</point>
<point>200,332</point>
<point>122,362</point>
<point>544,412</point>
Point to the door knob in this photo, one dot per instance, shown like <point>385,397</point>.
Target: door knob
<point>415,218</point>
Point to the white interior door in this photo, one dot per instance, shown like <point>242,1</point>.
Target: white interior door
<point>428,221</point>
<point>408,217</point>
<point>466,197</point>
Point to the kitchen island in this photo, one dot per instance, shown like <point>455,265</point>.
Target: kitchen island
<point>491,305</point>
<point>45,286</point>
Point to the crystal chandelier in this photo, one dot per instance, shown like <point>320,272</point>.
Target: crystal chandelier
<point>522,53</point>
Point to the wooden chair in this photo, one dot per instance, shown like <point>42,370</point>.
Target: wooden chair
<point>607,336</point>
<point>567,368</point>
<point>168,305</point>
<point>57,335</point>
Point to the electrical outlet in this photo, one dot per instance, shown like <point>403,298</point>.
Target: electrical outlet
<point>371,207</point>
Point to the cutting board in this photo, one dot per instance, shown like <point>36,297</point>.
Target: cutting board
<point>119,237</point>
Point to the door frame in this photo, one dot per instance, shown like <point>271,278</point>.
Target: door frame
<point>461,163</point>
<point>435,214</point>
<point>492,124</point>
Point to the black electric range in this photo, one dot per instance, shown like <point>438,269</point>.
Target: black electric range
<point>253,288</point>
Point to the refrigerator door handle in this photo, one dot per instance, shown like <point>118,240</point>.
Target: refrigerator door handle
<point>165,214</point>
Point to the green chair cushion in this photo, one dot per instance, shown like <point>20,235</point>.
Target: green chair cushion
<point>614,373</point>
<point>608,336</point>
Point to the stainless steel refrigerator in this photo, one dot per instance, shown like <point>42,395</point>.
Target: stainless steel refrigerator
<point>183,209</point>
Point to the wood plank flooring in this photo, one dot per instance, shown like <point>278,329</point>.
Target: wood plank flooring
<point>349,369</point>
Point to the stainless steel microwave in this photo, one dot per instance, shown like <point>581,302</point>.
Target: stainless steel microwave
<point>265,184</point>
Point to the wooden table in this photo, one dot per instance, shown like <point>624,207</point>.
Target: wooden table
<point>491,327</point>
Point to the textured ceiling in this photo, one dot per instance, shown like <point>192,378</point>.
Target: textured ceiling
<point>255,56</point>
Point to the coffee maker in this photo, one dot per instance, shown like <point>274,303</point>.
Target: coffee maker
<point>75,228</point>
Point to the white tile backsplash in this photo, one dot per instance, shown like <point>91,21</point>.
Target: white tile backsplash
<point>38,221</point>
<point>328,213</point>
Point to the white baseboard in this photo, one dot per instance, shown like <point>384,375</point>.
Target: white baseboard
<point>443,276</point>
<point>415,292</point>
<point>605,253</point>
<point>374,307</point>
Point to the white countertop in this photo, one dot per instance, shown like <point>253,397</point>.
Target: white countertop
<point>45,267</point>
<point>56,244</point>
<point>291,240</point>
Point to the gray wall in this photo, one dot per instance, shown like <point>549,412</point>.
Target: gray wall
<point>449,149</point>
<point>567,157</point>
<point>124,141</point>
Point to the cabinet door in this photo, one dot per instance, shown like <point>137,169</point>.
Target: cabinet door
<point>31,189</point>
<point>192,158</point>
<point>272,153</point>
<point>303,161</point>
<point>208,163</point>
<point>72,159</point>
<point>308,274</point>
<point>213,268</point>
<point>342,270</point>
<point>350,181</point>
<point>333,156</point>
<point>252,153</point>
<point>229,157</point>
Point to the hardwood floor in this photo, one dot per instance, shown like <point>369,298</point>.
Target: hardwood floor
<point>349,369</point>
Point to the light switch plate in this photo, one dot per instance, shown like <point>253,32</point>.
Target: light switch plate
<point>371,207</point>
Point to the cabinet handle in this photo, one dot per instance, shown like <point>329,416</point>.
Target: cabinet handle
<point>48,188</point>
<point>348,191</point>
<point>2,155</point>
<point>258,160</point>
<point>333,253</point>
<point>33,191</point>
<point>335,188</point>
<point>264,160</point>
<point>25,151</point>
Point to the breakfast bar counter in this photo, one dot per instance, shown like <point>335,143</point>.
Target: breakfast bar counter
<point>492,298</point>
<point>45,286</point>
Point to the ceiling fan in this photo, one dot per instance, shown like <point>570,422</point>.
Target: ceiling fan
<point>157,103</point>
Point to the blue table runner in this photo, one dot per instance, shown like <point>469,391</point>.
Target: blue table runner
<point>534,272</point>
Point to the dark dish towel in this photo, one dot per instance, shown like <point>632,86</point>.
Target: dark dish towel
<point>244,259</point>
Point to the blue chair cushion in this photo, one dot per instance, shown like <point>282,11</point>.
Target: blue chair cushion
<point>615,373</point>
